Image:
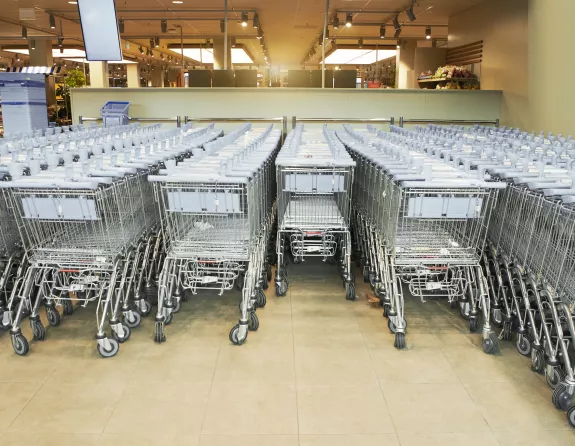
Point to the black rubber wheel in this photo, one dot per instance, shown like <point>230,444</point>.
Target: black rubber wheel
<point>159,335</point>
<point>265,284</point>
<point>261,299</point>
<point>234,336</point>
<point>20,344</point>
<point>350,291</point>
<point>240,281</point>
<point>125,337</point>
<point>38,330</point>
<point>169,318</point>
<point>269,273</point>
<point>53,316</point>
<point>281,289</point>
<point>253,321</point>
<point>507,332</point>
<point>561,398</point>
<point>67,307</point>
<point>177,305</point>
<point>391,326</point>
<point>473,325</point>
<point>386,309</point>
<point>399,341</point>
<point>523,345</point>
<point>571,416</point>
<point>491,344</point>
<point>555,377</point>
<point>114,347</point>
<point>147,307</point>
<point>497,317</point>
<point>133,319</point>
<point>152,294</point>
<point>538,361</point>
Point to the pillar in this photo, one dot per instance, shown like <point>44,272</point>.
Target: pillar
<point>41,56</point>
<point>133,75</point>
<point>405,64</point>
<point>157,77</point>
<point>551,91</point>
<point>99,75</point>
<point>219,53</point>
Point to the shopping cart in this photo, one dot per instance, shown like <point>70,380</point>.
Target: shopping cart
<point>425,224</point>
<point>217,209</point>
<point>314,178</point>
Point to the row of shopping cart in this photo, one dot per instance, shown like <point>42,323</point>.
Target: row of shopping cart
<point>217,210</point>
<point>529,258</point>
<point>314,178</point>
<point>84,226</point>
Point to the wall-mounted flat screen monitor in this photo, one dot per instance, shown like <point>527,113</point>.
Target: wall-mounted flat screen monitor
<point>100,30</point>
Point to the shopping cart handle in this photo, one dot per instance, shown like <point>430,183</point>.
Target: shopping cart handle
<point>49,185</point>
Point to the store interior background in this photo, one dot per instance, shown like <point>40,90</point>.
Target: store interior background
<point>523,72</point>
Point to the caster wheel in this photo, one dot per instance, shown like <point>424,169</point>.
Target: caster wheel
<point>507,335</point>
<point>124,337</point>
<point>497,317</point>
<point>491,344</point>
<point>152,294</point>
<point>399,341</point>
<point>464,308</point>
<point>177,305</point>
<point>53,316</point>
<point>386,310</point>
<point>269,273</point>
<point>253,321</point>
<point>523,345</point>
<point>571,416</point>
<point>114,347</point>
<point>538,361</point>
<point>240,281</point>
<point>133,319</point>
<point>20,344</point>
<point>38,330</point>
<point>169,318</point>
<point>555,377</point>
<point>144,308</point>
<point>365,275</point>
<point>234,336</point>
<point>473,325</point>
<point>159,335</point>
<point>68,307</point>
<point>561,398</point>
<point>265,284</point>
<point>350,291</point>
<point>281,289</point>
<point>453,303</point>
<point>391,326</point>
<point>261,299</point>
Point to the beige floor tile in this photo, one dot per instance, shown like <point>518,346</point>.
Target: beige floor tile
<point>472,365</point>
<point>48,438</point>
<point>517,405</point>
<point>334,365</point>
<point>416,365</point>
<point>349,439</point>
<point>57,388</point>
<point>177,408</point>
<point>160,438</point>
<point>251,408</point>
<point>344,339</point>
<point>251,440</point>
<point>13,399</point>
<point>30,368</point>
<point>256,363</point>
<point>535,438</point>
<point>449,439</point>
<point>95,371</point>
<point>432,408</point>
<point>342,409</point>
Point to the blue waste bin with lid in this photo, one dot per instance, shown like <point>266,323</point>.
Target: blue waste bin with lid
<point>115,113</point>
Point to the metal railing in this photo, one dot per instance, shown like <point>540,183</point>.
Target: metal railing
<point>283,120</point>
<point>390,121</point>
<point>494,122</point>
<point>176,119</point>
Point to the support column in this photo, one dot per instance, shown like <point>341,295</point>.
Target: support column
<point>406,64</point>
<point>219,53</point>
<point>41,56</point>
<point>99,75</point>
<point>158,77</point>
<point>133,75</point>
<point>550,91</point>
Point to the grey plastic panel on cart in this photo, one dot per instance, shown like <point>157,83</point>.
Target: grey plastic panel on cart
<point>201,201</point>
<point>59,208</point>
<point>444,207</point>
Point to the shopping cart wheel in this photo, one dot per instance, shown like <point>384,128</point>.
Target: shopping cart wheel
<point>144,307</point>
<point>253,321</point>
<point>53,316</point>
<point>491,344</point>
<point>554,377</point>
<point>152,294</point>
<point>38,329</point>
<point>453,303</point>
<point>393,328</point>
<point>507,332</point>
<point>265,284</point>
<point>269,272</point>
<point>561,398</point>
<point>132,319</point>
<point>261,299</point>
<point>177,305</point>
<point>20,344</point>
<point>473,324</point>
<point>240,281</point>
<point>123,338</point>
<point>234,336</point>
<point>464,309</point>
<point>350,291</point>
<point>571,416</point>
<point>67,307</point>
<point>386,310</point>
<point>537,361</point>
<point>399,341</point>
<point>281,289</point>
<point>523,345</point>
<point>169,318</point>
<point>497,317</point>
<point>114,347</point>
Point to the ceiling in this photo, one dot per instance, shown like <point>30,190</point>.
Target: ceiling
<point>291,28</point>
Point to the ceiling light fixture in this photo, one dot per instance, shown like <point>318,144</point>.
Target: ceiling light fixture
<point>348,19</point>
<point>336,22</point>
<point>256,21</point>
<point>152,43</point>
<point>382,32</point>
<point>17,58</point>
<point>24,33</point>
<point>398,46</point>
<point>141,49</point>
<point>164,26</point>
<point>262,42</point>
<point>397,33</point>
<point>360,42</point>
<point>410,14</point>
<point>223,26</point>
<point>396,24</point>
<point>177,2</point>
<point>73,3</point>
<point>121,26</point>
<point>33,44</point>
<point>233,40</point>
<point>60,42</point>
<point>157,42</point>
<point>52,21</point>
<point>428,32</point>
<point>244,19</point>
<point>260,33</point>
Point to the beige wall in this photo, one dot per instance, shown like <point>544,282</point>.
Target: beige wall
<point>502,25</point>
<point>551,65</point>
<point>304,103</point>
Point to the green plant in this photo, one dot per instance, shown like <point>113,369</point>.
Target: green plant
<point>74,79</point>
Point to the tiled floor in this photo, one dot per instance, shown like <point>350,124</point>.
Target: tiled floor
<point>320,371</point>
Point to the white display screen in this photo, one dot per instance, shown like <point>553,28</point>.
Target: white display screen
<point>100,30</point>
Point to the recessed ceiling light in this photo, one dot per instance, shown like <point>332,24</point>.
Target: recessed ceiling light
<point>177,2</point>
<point>73,3</point>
